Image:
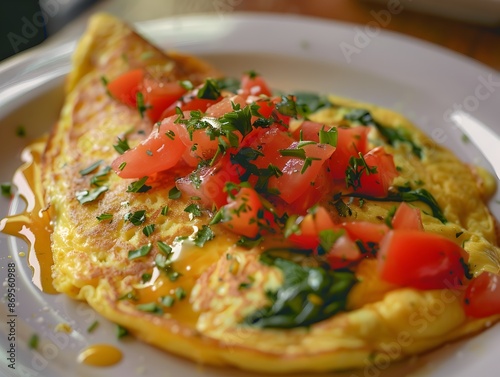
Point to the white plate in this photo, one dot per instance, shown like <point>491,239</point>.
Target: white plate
<point>418,79</point>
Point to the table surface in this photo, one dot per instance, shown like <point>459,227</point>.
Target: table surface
<point>480,41</point>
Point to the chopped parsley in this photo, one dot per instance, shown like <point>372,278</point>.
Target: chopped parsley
<point>137,218</point>
<point>180,293</point>
<point>90,168</point>
<point>164,211</point>
<point>164,248</point>
<point>121,331</point>
<point>121,146</point>
<point>168,301</point>
<point>174,193</point>
<point>148,230</point>
<point>203,235</point>
<point>33,342</point>
<point>6,188</point>
<point>92,326</point>
<point>87,196</point>
<point>209,90</point>
<point>141,105</point>
<point>193,210</point>
<point>140,252</point>
<point>357,166</point>
<point>105,216</point>
<point>287,106</point>
<point>20,131</point>
<point>150,307</point>
<point>139,186</point>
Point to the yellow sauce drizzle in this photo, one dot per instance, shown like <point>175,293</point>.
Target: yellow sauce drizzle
<point>33,224</point>
<point>100,355</point>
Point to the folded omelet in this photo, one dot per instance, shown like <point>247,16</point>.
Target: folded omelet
<point>194,295</point>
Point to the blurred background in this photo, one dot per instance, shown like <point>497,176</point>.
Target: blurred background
<point>469,27</point>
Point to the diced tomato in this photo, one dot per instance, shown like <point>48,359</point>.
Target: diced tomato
<point>482,297</point>
<point>243,213</point>
<point>267,108</point>
<point>312,195</point>
<point>161,150</point>
<point>366,231</point>
<point>407,217</point>
<point>126,86</point>
<point>343,253</point>
<point>350,141</point>
<point>225,106</point>
<point>310,130</point>
<point>420,260</point>
<point>269,142</point>
<point>297,177</point>
<point>208,183</point>
<point>254,85</point>
<point>189,103</point>
<point>377,184</point>
<point>310,226</point>
<point>158,96</point>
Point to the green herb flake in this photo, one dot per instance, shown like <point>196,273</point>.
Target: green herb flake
<point>180,293</point>
<point>122,166</point>
<point>328,237</point>
<point>150,307</point>
<point>164,248</point>
<point>164,211</point>
<point>148,230</point>
<point>93,326</point>
<point>193,210</point>
<point>147,55</point>
<point>105,216</point>
<point>168,301</point>
<point>121,331</point>
<point>146,277</point>
<point>33,342</point>
<point>209,90</point>
<point>91,168</point>
<point>20,131</point>
<point>141,105</point>
<point>186,84</point>
<point>173,275</point>
<point>287,106</point>
<point>87,196</point>
<point>6,189</point>
<point>137,218</point>
<point>121,146</point>
<point>139,186</point>
<point>140,252</point>
<point>458,234</point>
<point>203,235</point>
<point>328,137</point>
<point>174,193</point>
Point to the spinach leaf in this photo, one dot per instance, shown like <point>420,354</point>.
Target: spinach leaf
<point>308,295</point>
<point>392,135</point>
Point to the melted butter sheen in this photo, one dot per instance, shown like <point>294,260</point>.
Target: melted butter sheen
<point>100,355</point>
<point>33,224</point>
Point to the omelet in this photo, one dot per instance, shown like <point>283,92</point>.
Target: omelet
<point>179,280</point>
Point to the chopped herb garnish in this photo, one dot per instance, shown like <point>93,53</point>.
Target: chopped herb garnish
<point>20,131</point>
<point>139,186</point>
<point>91,168</point>
<point>150,307</point>
<point>186,84</point>
<point>328,237</point>
<point>148,229</point>
<point>173,275</point>
<point>390,216</point>
<point>146,277</point>
<point>357,166</point>
<point>308,295</point>
<point>121,331</point>
<point>297,153</point>
<point>458,234</point>
<point>164,248</point>
<point>174,193</point>
<point>287,106</point>
<point>393,135</point>
<point>203,235</point>
<point>328,137</point>
<point>137,218</point>
<point>466,268</point>
<point>104,216</point>
<point>129,296</point>
<point>193,210</point>
<point>168,301</point>
<point>228,83</point>
<point>100,177</point>
<point>308,103</point>
<point>121,146</point>
<point>92,326</point>
<point>140,252</point>
<point>147,55</point>
<point>180,293</point>
<point>6,189</point>
<point>170,134</point>
<point>122,166</point>
<point>33,342</point>
<point>342,208</point>
<point>86,196</point>
<point>164,211</point>
<point>149,153</point>
<point>141,106</point>
<point>209,90</point>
